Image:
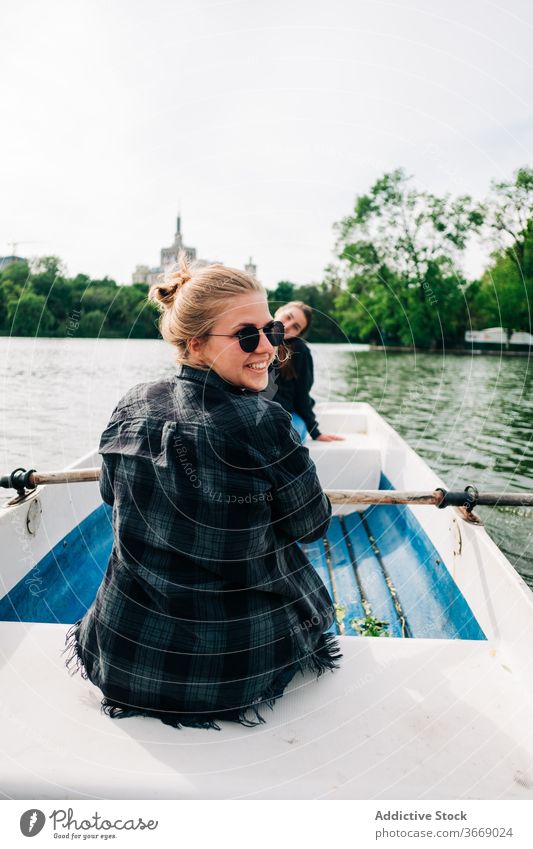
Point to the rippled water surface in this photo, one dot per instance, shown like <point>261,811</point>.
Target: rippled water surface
<point>469,417</point>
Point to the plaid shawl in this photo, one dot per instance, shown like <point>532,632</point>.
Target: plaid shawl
<point>208,606</point>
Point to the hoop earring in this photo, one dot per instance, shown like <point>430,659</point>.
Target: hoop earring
<point>285,351</point>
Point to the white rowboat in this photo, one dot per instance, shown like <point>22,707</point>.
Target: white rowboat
<point>439,708</point>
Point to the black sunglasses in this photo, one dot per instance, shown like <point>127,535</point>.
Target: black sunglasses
<point>248,335</point>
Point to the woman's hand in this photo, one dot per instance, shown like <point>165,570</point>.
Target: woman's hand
<point>328,437</point>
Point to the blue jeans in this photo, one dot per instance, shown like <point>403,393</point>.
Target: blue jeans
<point>299,425</point>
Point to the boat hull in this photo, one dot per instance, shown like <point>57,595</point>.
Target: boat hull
<point>429,717</point>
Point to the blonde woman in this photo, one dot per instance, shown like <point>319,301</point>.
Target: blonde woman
<point>208,607</point>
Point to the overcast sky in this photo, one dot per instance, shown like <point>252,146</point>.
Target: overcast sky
<point>261,120</point>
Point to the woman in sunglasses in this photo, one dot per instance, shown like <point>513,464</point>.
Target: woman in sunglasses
<point>292,383</point>
<point>208,607</point>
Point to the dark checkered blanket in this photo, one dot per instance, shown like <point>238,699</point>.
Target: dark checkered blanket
<point>208,606</point>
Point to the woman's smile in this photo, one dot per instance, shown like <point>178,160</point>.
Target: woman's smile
<point>259,366</point>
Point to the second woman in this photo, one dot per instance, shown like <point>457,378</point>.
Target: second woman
<point>291,381</point>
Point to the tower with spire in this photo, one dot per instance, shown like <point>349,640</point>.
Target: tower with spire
<point>169,256</point>
<point>251,268</point>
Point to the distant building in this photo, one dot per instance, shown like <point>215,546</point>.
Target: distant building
<point>142,273</point>
<point>9,260</point>
<point>250,268</point>
<point>169,256</point>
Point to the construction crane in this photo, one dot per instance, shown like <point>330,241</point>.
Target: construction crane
<point>14,245</point>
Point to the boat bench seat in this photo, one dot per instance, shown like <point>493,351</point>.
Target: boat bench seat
<point>394,721</point>
<point>354,463</point>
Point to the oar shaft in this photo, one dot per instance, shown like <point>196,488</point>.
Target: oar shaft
<point>490,499</point>
<point>336,496</point>
<point>382,496</point>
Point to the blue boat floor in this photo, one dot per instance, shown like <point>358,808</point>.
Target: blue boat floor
<point>386,579</point>
<point>381,570</point>
<point>350,565</point>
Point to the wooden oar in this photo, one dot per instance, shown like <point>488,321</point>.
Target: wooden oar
<point>451,499</point>
<point>21,480</point>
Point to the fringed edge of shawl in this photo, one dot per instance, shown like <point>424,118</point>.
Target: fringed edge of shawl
<point>324,656</point>
<point>72,645</point>
<point>116,710</point>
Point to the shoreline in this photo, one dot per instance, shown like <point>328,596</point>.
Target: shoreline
<point>357,347</point>
<point>460,352</point>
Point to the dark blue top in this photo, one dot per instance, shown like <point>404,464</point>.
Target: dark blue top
<point>293,394</point>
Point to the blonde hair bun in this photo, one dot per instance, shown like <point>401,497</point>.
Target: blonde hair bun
<point>171,283</point>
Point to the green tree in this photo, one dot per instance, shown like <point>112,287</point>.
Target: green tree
<point>511,218</point>
<point>146,323</point>
<point>399,255</point>
<point>17,272</point>
<point>504,295</point>
<point>40,298</point>
<point>91,323</point>
<point>131,314</point>
<point>100,296</point>
<point>13,280</point>
<point>48,279</point>
<point>321,298</point>
<point>29,315</point>
<point>282,294</point>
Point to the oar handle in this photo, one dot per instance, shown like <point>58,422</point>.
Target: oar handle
<point>20,479</point>
<point>505,499</point>
<point>69,476</point>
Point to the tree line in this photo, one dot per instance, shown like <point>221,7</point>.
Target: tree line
<point>38,299</point>
<point>396,277</point>
<point>399,262</point>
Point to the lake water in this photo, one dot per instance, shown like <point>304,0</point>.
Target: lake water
<point>469,417</point>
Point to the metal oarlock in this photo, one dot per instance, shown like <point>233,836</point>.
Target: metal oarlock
<point>19,479</point>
